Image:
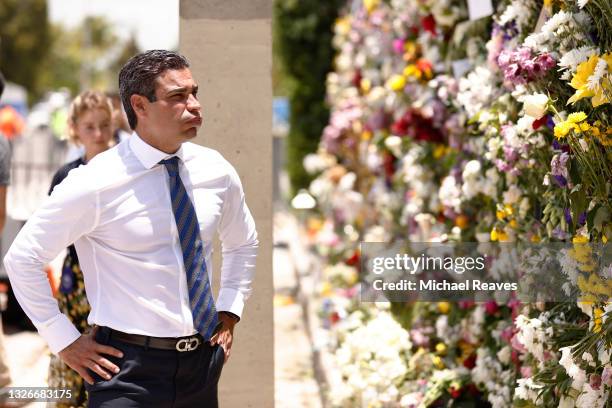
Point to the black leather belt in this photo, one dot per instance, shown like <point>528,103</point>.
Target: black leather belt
<point>181,344</point>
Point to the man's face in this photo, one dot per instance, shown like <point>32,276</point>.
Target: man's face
<point>176,113</point>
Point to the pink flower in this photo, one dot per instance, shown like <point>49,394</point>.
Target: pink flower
<point>595,381</point>
<point>606,376</point>
<point>517,345</point>
<point>526,372</point>
<point>398,45</point>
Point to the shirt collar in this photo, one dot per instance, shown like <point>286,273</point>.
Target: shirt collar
<point>147,154</point>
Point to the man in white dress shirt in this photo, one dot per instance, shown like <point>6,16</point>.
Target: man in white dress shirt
<point>148,349</point>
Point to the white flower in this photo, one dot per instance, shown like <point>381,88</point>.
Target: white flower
<point>527,389</point>
<point>571,59</point>
<point>572,369</point>
<point>504,355</point>
<point>535,105</point>
<point>591,398</point>
<point>512,195</point>
<point>471,169</point>
<point>582,3</point>
<point>567,402</point>
<point>598,74</point>
<point>394,144</point>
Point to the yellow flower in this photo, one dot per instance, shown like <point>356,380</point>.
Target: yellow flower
<point>595,131</point>
<point>366,85</point>
<point>580,239</point>
<point>444,307</point>
<point>500,214</point>
<point>583,83</point>
<point>576,117</point>
<point>412,71</point>
<point>597,319</point>
<point>397,83</point>
<point>502,236</point>
<point>325,289</point>
<point>437,361</point>
<point>494,235</point>
<point>441,348</point>
<point>536,238</point>
<point>514,224</point>
<point>439,151</point>
<point>563,128</point>
<point>584,126</point>
<point>371,4</point>
<point>366,135</point>
<point>343,25</point>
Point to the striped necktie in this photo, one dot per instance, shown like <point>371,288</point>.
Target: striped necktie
<point>201,300</point>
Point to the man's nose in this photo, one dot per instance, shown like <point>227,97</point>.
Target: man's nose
<point>193,103</point>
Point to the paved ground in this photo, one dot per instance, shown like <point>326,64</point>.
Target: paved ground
<point>294,363</point>
<point>295,383</point>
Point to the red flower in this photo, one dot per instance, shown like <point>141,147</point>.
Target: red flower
<point>354,259</point>
<point>539,122</point>
<point>334,318</point>
<point>356,81</point>
<point>454,392</point>
<point>389,165</point>
<point>491,307</point>
<point>429,24</point>
<point>470,362</point>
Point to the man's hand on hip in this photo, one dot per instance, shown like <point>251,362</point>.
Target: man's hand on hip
<point>85,354</point>
<point>225,335</point>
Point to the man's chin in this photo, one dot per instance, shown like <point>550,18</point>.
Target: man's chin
<point>190,133</point>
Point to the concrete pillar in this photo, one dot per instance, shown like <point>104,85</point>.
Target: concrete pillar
<point>229,46</point>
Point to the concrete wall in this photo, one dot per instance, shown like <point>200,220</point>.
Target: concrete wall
<point>229,46</point>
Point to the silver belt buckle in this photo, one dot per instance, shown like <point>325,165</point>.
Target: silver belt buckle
<point>188,344</point>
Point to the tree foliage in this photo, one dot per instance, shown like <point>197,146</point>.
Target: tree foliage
<point>303,42</point>
<point>25,42</point>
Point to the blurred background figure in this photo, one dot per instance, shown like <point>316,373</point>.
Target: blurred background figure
<point>5,167</point>
<point>90,126</point>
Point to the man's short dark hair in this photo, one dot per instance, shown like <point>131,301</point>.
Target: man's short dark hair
<point>1,84</point>
<point>137,77</point>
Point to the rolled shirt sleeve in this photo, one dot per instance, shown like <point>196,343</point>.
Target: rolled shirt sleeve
<point>239,248</point>
<point>70,212</point>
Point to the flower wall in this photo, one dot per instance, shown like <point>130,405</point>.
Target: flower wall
<point>448,129</point>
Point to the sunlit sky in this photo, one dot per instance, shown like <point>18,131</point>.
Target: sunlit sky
<point>155,23</point>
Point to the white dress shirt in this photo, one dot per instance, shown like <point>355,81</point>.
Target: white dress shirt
<point>117,211</point>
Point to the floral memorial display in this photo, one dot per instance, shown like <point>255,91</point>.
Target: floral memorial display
<point>468,122</point>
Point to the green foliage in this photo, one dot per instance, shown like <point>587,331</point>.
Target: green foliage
<point>303,32</point>
<point>24,42</point>
<point>43,57</point>
<point>88,56</point>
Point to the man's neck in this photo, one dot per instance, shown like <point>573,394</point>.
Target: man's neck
<point>156,142</point>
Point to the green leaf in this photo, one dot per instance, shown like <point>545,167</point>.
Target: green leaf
<point>579,204</point>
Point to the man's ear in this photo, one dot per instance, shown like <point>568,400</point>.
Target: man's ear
<point>139,104</point>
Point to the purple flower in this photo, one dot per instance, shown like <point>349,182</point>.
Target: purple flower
<point>582,219</point>
<point>559,165</point>
<point>562,181</point>
<point>568,215</point>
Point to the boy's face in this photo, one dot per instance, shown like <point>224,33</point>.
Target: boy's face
<point>175,115</point>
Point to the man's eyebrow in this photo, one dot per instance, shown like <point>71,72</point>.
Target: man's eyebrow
<point>181,90</point>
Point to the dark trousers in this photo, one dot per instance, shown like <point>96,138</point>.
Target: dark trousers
<point>154,378</point>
